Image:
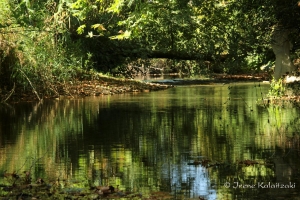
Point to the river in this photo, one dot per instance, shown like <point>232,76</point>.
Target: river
<point>214,142</point>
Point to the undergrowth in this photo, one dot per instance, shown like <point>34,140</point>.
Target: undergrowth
<point>37,55</point>
<point>277,88</point>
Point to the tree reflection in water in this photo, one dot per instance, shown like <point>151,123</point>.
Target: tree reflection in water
<point>140,141</point>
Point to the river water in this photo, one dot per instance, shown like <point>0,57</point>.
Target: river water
<point>190,141</point>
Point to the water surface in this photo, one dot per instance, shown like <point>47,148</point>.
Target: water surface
<point>146,142</point>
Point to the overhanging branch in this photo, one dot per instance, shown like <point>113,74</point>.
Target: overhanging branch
<point>186,56</point>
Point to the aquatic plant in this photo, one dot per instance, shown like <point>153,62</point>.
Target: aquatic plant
<point>277,88</point>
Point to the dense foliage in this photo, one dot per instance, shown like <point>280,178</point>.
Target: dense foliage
<point>238,31</point>
<point>48,41</point>
<point>36,51</point>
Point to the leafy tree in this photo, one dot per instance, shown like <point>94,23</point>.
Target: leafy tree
<point>230,35</point>
<point>259,19</point>
<point>38,53</point>
<point>198,30</point>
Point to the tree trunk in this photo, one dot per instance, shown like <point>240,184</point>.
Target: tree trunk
<point>281,47</point>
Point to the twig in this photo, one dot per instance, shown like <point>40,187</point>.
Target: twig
<point>9,94</point>
<point>35,160</point>
<point>30,84</point>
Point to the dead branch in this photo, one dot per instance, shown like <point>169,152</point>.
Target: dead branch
<point>9,94</point>
<point>34,90</point>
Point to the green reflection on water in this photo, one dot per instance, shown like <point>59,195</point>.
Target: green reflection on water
<point>144,142</point>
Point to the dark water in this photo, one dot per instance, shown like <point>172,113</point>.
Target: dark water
<point>148,142</point>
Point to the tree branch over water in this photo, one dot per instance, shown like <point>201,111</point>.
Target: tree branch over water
<point>187,56</point>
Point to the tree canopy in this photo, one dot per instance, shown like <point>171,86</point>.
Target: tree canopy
<point>60,36</point>
<point>189,30</point>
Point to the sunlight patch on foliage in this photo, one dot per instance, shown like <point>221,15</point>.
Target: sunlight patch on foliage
<point>121,36</point>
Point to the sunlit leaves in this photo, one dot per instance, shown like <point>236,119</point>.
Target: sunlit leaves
<point>79,9</point>
<point>80,29</point>
<point>90,34</point>
<point>198,27</point>
<point>98,27</point>
<point>116,6</point>
<point>122,35</point>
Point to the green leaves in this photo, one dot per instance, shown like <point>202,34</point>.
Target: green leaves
<point>116,6</point>
<point>98,27</point>
<point>207,29</point>
<point>80,29</point>
<point>121,36</point>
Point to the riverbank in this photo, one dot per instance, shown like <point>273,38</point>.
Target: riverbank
<point>96,86</point>
<point>215,79</point>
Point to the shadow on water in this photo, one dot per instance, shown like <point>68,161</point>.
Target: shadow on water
<point>190,142</point>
